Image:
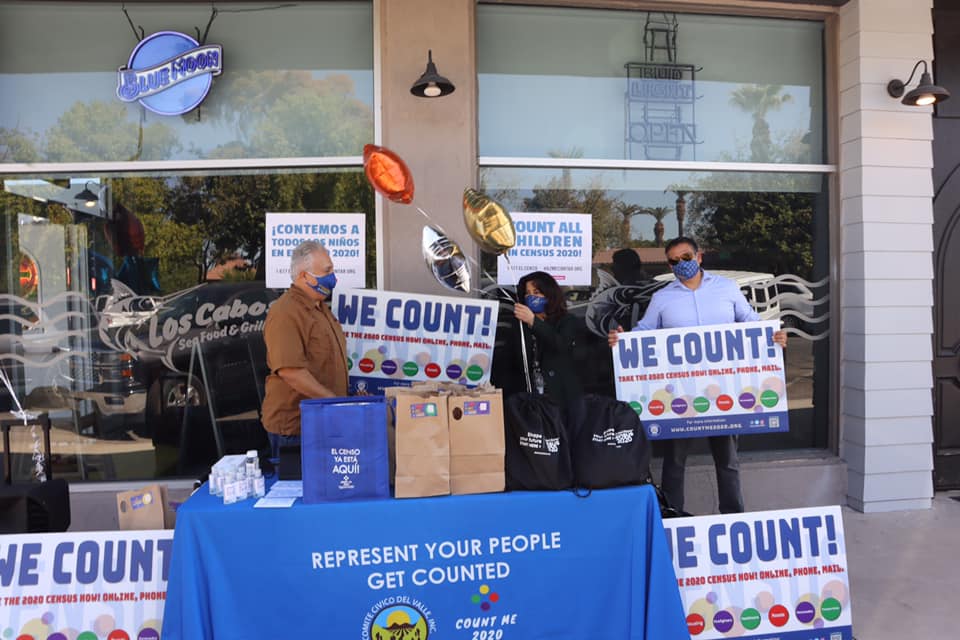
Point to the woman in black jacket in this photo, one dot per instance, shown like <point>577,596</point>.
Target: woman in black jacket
<point>550,336</point>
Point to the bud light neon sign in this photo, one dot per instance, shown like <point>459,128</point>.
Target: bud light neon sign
<point>169,73</point>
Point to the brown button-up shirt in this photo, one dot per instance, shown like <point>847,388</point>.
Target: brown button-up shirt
<point>301,333</point>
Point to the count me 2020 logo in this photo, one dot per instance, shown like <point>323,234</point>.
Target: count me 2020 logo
<point>169,73</point>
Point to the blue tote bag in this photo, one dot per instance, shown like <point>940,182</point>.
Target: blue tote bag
<point>344,449</point>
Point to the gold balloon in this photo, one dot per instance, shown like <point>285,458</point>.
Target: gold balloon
<point>488,223</point>
<point>445,259</point>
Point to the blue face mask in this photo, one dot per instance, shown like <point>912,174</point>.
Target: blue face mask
<point>325,284</point>
<point>686,269</point>
<point>537,304</point>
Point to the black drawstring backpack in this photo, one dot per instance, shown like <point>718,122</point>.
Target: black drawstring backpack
<point>611,448</point>
<point>538,456</point>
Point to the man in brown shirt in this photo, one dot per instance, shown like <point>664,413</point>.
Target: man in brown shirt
<point>306,350</point>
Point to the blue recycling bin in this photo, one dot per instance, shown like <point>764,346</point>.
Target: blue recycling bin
<point>344,449</point>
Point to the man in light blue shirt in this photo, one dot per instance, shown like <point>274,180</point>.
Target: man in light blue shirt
<point>694,299</point>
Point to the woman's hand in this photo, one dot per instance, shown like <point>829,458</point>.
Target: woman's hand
<point>780,337</point>
<point>613,336</point>
<point>523,313</point>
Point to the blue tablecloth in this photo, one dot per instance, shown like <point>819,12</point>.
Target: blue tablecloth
<point>512,566</point>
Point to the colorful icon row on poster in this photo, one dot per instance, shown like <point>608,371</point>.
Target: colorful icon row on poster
<point>411,369</point>
<point>723,402</point>
<point>778,615</point>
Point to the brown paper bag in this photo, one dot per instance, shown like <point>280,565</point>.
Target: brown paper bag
<point>422,443</point>
<point>145,508</point>
<point>477,444</point>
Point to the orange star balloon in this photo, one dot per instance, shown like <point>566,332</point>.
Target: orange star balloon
<point>388,173</point>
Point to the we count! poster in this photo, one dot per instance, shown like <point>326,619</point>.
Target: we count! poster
<point>704,381</point>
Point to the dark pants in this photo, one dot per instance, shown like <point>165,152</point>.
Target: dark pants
<point>277,441</point>
<point>724,450</point>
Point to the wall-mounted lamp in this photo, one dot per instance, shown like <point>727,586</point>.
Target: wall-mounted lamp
<point>89,198</point>
<point>926,92</point>
<point>431,84</point>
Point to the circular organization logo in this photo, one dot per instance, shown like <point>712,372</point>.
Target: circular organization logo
<point>366,365</point>
<point>678,406</point>
<point>398,617</point>
<point>724,402</point>
<point>169,73</point>
<point>747,400</point>
<point>432,370</point>
<point>636,406</point>
<point>474,372</point>
<point>410,368</point>
<point>654,429</point>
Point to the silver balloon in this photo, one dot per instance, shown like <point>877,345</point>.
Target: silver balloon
<point>445,259</point>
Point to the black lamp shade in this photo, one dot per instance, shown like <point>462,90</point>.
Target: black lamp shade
<point>431,84</point>
<point>926,93</point>
<point>89,197</point>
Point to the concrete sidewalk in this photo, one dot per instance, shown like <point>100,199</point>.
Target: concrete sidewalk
<point>904,570</point>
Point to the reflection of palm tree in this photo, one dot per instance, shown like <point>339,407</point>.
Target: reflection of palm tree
<point>627,211</point>
<point>759,99</point>
<point>659,213</point>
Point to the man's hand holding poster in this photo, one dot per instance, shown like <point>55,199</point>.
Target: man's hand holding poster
<point>703,381</point>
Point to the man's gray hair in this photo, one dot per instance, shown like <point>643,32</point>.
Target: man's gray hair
<point>302,257</point>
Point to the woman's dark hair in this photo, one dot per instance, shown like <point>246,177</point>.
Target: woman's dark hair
<point>544,282</point>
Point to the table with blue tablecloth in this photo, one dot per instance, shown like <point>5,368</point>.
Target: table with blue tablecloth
<point>511,566</point>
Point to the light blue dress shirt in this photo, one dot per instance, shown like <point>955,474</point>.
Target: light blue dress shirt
<point>717,300</point>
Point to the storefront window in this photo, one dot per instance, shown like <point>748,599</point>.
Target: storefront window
<point>297,81</point>
<point>649,85</point>
<point>132,308</point>
<point>594,111</point>
<point>766,231</point>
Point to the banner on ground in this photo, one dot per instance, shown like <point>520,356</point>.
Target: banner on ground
<point>85,585</point>
<point>704,381</point>
<point>558,243</point>
<point>768,574</point>
<point>343,234</point>
<point>395,339</point>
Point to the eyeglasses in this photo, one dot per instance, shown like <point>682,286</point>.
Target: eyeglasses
<point>675,261</point>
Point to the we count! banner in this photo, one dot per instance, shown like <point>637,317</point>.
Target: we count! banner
<point>395,339</point>
<point>704,381</point>
<point>768,574</point>
<point>84,586</point>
